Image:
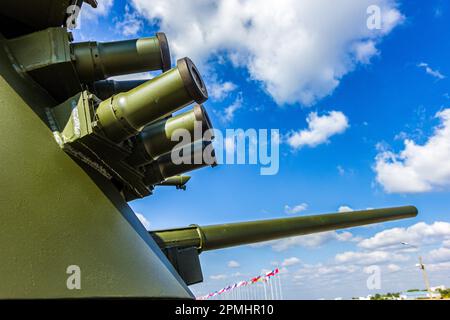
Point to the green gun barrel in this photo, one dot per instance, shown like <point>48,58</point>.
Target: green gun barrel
<point>231,235</point>
<point>178,181</point>
<point>159,138</point>
<point>105,89</point>
<point>126,114</point>
<point>98,61</point>
<point>197,155</point>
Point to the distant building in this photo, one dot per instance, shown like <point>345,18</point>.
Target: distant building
<point>415,295</point>
<point>437,289</point>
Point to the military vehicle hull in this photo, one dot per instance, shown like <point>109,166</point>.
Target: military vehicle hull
<point>54,214</point>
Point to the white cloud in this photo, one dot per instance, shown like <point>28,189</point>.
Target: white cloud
<point>234,264</point>
<point>298,50</point>
<point>439,255</point>
<point>296,209</point>
<point>436,267</point>
<point>418,168</point>
<point>131,23</point>
<point>309,241</point>
<point>329,270</point>
<point>393,267</point>
<point>369,258</point>
<point>431,72</point>
<point>320,129</point>
<point>420,233</point>
<point>103,9</point>
<point>229,112</point>
<point>320,270</point>
<point>144,221</point>
<point>290,262</point>
<point>219,91</point>
<point>344,209</point>
<point>218,277</point>
<point>364,51</point>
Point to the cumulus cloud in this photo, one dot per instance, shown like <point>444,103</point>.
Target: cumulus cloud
<point>296,209</point>
<point>328,270</point>
<point>103,9</point>
<point>439,255</point>
<point>438,267</point>
<point>290,262</point>
<point>393,267</point>
<point>219,91</point>
<point>369,258</point>
<point>144,221</point>
<point>344,209</point>
<point>418,168</point>
<point>131,23</point>
<point>365,51</point>
<point>234,264</point>
<point>418,233</point>
<point>325,271</point>
<point>309,241</point>
<point>218,277</point>
<point>320,130</point>
<point>434,73</point>
<point>298,50</point>
<point>229,112</point>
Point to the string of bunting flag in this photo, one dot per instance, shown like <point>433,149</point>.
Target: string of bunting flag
<point>263,287</point>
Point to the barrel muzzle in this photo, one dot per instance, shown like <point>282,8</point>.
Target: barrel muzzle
<point>98,61</point>
<point>191,157</point>
<point>163,136</point>
<point>179,182</point>
<point>126,114</point>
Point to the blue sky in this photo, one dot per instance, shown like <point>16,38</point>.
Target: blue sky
<point>275,72</point>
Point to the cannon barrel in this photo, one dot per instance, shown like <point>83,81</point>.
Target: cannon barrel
<point>159,138</point>
<point>194,156</point>
<point>178,181</point>
<point>232,235</point>
<point>126,114</point>
<point>98,61</point>
<point>105,89</point>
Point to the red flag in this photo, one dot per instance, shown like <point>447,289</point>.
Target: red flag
<point>270,274</point>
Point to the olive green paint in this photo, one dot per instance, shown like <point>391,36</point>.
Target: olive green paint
<point>98,61</point>
<point>55,216</point>
<point>231,235</point>
<point>60,212</point>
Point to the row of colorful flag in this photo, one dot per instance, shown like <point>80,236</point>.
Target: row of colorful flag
<point>259,279</point>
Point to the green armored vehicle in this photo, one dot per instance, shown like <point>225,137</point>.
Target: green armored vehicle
<point>76,148</point>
